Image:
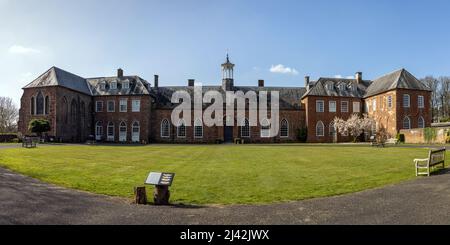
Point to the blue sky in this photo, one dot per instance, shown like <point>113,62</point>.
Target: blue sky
<point>189,39</point>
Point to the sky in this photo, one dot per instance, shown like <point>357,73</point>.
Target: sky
<point>278,41</point>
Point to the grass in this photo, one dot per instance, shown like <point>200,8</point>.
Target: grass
<point>219,174</point>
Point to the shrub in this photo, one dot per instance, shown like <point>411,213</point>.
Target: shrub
<point>429,135</point>
<point>302,135</point>
<point>401,138</point>
<point>39,126</point>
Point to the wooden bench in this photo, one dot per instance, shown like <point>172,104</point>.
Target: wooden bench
<point>435,157</point>
<point>238,141</point>
<point>392,141</point>
<point>28,142</point>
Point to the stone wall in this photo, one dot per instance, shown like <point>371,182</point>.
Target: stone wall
<point>416,136</point>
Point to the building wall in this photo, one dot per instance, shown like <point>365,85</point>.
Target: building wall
<point>295,120</point>
<point>68,114</point>
<point>327,117</point>
<point>385,116</point>
<point>129,117</point>
<point>392,118</point>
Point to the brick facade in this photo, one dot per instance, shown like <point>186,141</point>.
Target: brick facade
<point>69,103</point>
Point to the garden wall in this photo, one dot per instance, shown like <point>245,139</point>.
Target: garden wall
<point>417,135</point>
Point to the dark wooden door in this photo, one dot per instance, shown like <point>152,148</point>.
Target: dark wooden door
<point>228,134</point>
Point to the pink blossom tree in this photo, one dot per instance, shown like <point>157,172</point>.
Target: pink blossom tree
<point>354,126</point>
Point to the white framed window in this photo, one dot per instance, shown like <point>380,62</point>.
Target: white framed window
<point>113,85</point>
<point>98,131</point>
<point>320,106</point>
<point>98,106</point>
<point>125,85</point>
<point>406,101</point>
<point>165,128</point>
<point>389,101</point>
<point>421,101</point>
<point>320,129</point>
<point>136,132</point>
<point>374,105</point>
<point>181,129</point>
<point>344,106</point>
<point>265,129</point>
<point>284,128</point>
<point>198,129</point>
<point>123,105</point>
<point>406,123</point>
<point>122,132</point>
<point>329,86</point>
<point>332,106</point>
<point>136,104</point>
<point>332,129</point>
<point>111,106</point>
<point>110,131</point>
<point>421,123</point>
<point>245,129</point>
<point>356,107</point>
<point>342,87</point>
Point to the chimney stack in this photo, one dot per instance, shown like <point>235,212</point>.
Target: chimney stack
<point>191,82</point>
<point>156,81</point>
<point>261,83</point>
<point>119,72</point>
<point>358,77</point>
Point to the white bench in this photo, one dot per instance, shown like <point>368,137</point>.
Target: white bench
<point>435,157</point>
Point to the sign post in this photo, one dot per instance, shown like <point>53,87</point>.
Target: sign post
<point>162,182</point>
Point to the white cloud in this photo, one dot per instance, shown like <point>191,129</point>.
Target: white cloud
<point>347,77</point>
<point>283,70</point>
<point>18,49</point>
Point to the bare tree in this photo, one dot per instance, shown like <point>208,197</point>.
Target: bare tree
<point>445,96</point>
<point>434,85</point>
<point>9,115</point>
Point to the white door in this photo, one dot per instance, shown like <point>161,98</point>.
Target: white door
<point>123,132</point>
<point>98,131</point>
<point>135,137</point>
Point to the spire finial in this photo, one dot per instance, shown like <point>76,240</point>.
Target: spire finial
<point>228,58</point>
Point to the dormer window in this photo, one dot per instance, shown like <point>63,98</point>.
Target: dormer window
<point>103,86</point>
<point>125,85</point>
<point>113,85</point>
<point>329,86</point>
<point>342,87</point>
<point>352,87</point>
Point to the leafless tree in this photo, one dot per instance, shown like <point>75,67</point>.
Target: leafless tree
<point>445,96</point>
<point>434,85</point>
<point>9,115</point>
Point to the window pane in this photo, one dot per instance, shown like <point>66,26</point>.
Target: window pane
<point>332,106</point>
<point>320,106</point>
<point>344,106</point>
<point>356,107</point>
<point>111,106</point>
<point>136,105</point>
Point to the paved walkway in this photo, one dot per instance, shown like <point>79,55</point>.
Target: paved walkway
<point>24,200</point>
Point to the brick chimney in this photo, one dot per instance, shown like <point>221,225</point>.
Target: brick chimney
<point>191,82</point>
<point>261,83</point>
<point>358,77</point>
<point>156,81</point>
<point>307,82</point>
<point>119,72</point>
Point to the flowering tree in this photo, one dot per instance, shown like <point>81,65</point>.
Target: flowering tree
<point>354,126</point>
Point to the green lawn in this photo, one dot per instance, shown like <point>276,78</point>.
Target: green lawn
<point>219,174</point>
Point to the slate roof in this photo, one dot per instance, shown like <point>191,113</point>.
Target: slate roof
<point>138,86</point>
<point>58,77</point>
<point>289,97</point>
<point>332,87</point>
<point>400,79</point>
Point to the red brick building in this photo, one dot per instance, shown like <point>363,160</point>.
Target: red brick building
<point>128,109</point>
